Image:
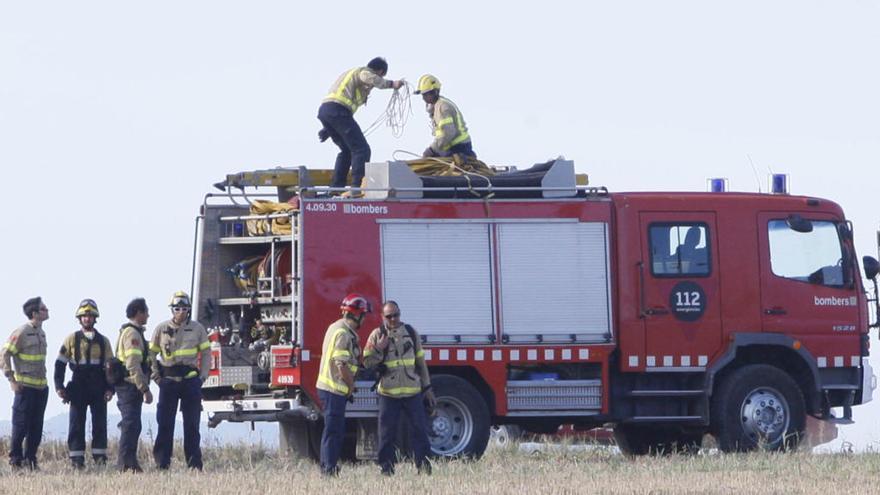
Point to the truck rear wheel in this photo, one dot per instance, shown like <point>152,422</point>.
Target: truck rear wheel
<point>300,439</point>
<point>758,407</point>
<point>460,425</point>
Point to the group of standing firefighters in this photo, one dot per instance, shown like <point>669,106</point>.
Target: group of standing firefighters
<point>177,359</point>
<point>177,356</point>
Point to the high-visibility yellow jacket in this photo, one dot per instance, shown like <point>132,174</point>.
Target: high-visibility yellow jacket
<point>406,372</point>
<point>340,346</point>
<point>352,87</point>
<point>23,356</point>
<point>130,350</point>
<point>448,123</point>
<point>185,345</point>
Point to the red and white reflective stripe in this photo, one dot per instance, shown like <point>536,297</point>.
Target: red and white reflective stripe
<point>668,361</point>
<point>520,354</point>
<point>838,361</point>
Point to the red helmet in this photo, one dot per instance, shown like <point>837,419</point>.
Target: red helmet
<point>356,305</point>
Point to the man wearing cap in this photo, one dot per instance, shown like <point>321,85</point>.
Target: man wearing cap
<point>23,362</point>
<point>86,352</point>
<point>336,113</point>
<point>450,131</point>
<point>181,360</point>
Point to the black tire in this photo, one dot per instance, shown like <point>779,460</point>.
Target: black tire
<point>300,439</point>
<point>758,407</point>
<point>460,425</point>
<point>657,440</point>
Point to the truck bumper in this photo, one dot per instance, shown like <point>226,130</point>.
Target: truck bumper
<point>869,381</point>
<point>258,409</point>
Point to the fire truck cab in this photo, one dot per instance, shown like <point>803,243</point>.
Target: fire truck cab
<point>667,315</point>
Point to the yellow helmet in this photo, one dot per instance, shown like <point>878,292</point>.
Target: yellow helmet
<point>180,298</point>
<point>87,307</point>
<point>427,83</point>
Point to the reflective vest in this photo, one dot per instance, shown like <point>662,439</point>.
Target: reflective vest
<point>405,373</point>
<point>131,350</point>
<point>340,344</point>
<point>26,350</point>
<point>352,88</point>
<point>180,347</point>
<point>449,126</point>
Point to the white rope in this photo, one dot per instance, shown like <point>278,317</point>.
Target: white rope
<point>396,113</point>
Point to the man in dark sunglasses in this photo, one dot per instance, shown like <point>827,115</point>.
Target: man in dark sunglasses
<point>394,350</point>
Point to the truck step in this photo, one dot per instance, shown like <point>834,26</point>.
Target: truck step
<point>664,419</point>
<point>666,393</point>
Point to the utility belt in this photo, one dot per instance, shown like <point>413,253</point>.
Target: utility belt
<point>86,371</point>
<point>177,371</point>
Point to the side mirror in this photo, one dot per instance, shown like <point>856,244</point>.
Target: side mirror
<point>872,267</point>
<point>798,223</point>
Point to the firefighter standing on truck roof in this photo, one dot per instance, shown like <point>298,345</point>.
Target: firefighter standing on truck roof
<point>23,361</point>
<point>339,364</point>
<point>177,345</point>
<point>336,114</point>
<point>134,391</point>
<point>450,131</point>
<point>86,351</point>
<point>404,385</point>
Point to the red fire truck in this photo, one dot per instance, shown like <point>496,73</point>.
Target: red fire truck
<point>542,302</point>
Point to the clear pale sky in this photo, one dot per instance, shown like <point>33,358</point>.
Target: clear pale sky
<point>116,117</point>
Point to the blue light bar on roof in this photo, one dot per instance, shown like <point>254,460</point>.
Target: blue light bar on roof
<point>779,184</point>
<point>717,184</point>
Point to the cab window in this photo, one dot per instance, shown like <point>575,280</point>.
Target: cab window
<point>814,257</point>
<point>679,250</point>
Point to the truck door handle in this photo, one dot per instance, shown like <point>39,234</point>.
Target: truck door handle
<point>657,311</point>
<point>775,311</point>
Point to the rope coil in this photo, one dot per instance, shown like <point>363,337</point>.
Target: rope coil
<point>396,113</point>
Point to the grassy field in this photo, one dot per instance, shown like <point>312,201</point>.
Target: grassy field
<point>247,469</point>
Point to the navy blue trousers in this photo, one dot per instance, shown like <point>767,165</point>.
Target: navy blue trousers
<point>466,149</point>
<point>334,430</point>
<point>188,393</point>
<point>354,152</point>
<point>28,409</point>
<point>86,396</point>
<point>130,402</point>
<point>389,417</point>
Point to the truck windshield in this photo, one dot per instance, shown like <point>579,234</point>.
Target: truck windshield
<point>815,257</point>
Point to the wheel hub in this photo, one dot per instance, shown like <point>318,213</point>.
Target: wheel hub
<point>451,427</point>
<point>765,415</point>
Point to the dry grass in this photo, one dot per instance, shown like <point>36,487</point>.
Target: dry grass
<point>247,469</point>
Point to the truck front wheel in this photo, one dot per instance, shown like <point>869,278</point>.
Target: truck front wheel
<point>460,424</point>
<point>758,407</point>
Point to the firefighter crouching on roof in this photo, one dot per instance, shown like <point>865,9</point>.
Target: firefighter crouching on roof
<point>23,361</point>
<point>86,351</point>
<point>450,131</point>
<point>404,385</point>
<point>178,344</point>
<point>134,390</point>
<point>340,354</point>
